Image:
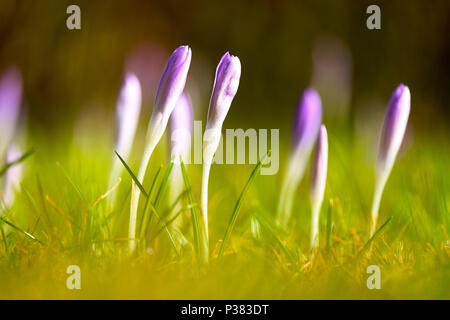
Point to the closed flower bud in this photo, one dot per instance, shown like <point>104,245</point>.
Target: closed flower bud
<point>392,132</point>
<point>307,122</point>
<point>10,101</point>
<point>127,117</point>
<point>226,83</point>
<point>170,88</point>
<point>128,109</point>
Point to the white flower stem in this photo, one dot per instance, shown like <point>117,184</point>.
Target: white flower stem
<point>135,194</point>
<point>205,180</point>
<point>315,226</point>
<point>380,182</point>
<point>294,174</point>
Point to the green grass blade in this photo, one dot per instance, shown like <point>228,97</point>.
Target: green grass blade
<point>5,241</point>
<point>162,187</point>
<point>33,203</point>
<point>169,235</point>
<point>148,199</point>
<point>238,205</point>
<point>329,224</point>
<point>272,231</point>
<point>69,178</point>
<point>21,230</point>
<point>375,235</point>
<point>166,224</point>
<point>9,165</point>
<point>194,214</point>
<point>133,176</point>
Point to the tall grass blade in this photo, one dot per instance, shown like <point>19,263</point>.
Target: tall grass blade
<point>133,176</point>
<point>148,217</point>
<point>9,165</point>
<point>375,235</point>
<point>29,235</point>
<point>69,178</point>
<point>194,214</point>
<point>238,205</point>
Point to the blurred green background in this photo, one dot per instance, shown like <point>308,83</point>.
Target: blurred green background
<point>66,71</point>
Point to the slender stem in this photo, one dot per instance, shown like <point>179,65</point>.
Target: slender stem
<point>135,194</point>
<point>205,180</point>
<point>315,226</point>
<point>380,182</point>
<point>294,174</point>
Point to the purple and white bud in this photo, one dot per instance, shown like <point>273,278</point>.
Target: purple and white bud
<point>226,83</point>
<point>307,122</point>
<point>318,181</point>
<point>127,112</point>
<point>392,133</point>
<point>127,117</point>
<point>13,176</point>
<point>10,102</point>
<point>170,88</point>
<point>169,91</point>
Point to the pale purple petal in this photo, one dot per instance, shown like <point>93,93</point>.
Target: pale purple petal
<point>128,109</point>
<point>394,126</point>
<point>226,83</point>
<point>307,120</point>
<point>172,81</point>
<point>10,101</point>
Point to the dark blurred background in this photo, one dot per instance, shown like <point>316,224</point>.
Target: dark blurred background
<point>281,44</point>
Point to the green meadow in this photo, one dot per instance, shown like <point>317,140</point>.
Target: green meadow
<point>62,217</point>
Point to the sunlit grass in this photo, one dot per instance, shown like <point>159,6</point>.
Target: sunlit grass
<point>61,217</point>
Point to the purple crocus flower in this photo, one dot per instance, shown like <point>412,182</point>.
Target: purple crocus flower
<point>307,120</point>
<point>127,118</point>
<point>169,90</point>
<point>226,83</point>
<point>318,182</point>
<point>10,101</point>
<point>392,132</point>
<point>128,109</point>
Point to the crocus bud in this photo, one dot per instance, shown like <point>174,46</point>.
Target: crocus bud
<point>307,122</point>
<point>128,109</point>
<point>12,176</point>
<point>127,118</point>
<point>226,83</point>
<point>180,124</point>
<point>10,101</point>
<point>169,90</point>
<point>392,132</point>
<point>318,182</point>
